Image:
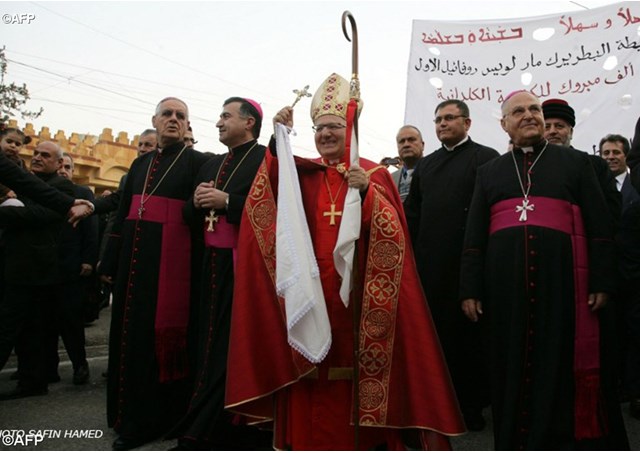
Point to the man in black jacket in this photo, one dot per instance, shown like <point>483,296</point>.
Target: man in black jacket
<point>436,211</point>
<point>31,274</point>
<point>78,257</point>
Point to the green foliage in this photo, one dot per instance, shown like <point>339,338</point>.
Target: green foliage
<point>13,97</point>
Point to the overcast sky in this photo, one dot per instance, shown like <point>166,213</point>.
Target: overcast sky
<point>93,65</point>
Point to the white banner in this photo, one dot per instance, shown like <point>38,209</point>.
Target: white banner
<point>589,58</point>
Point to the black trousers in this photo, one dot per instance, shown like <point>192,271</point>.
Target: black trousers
<point>69,325</point>
<point>25,313</point>
<point>630,308</point>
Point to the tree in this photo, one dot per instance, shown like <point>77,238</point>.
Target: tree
<point>13,97</point>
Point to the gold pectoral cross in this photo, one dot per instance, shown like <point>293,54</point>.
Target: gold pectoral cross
<point>211,219</point>
<point>141,210</point>
<point>333,213</point>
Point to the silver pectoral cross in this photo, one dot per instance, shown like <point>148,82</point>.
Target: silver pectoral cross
<point>141,210</point>
<point>523,209</point>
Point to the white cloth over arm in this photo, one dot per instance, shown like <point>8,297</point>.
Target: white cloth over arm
<point>297,272</point>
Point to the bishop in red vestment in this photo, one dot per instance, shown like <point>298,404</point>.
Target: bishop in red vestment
<point>404,393</point>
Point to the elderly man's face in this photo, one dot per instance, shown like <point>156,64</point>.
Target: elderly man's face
<point>330,136</point>
<point>171,121</point>
<point>558,131</point>
<point>66,169</point>
<point>410,144</point>
<point>46,158</point>
<point>147,143</point>
<point>522,119</point>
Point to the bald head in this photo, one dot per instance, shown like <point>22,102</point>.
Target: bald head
<point>47,158</point>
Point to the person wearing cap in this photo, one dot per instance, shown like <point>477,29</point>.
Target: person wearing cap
<point>559,121</point>
<point>559,124</point>
<point>538,263</point>
<point>214,211</point>
<point>148,260</point>
<point>403,392</point>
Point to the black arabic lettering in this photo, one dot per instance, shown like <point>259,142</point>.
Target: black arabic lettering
<point>628,69</point>
<point>550,62</point>
<point>628,44</point>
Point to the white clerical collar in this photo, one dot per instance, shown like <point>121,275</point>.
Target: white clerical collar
<point>456,145</point>
<point>527,149</point>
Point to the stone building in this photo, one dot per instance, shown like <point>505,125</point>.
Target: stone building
<point>99,161</point>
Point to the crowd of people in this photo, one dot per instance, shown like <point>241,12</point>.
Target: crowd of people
<point>482,279</point>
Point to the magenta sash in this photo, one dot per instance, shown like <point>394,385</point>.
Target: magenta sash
<point>174,283</point>
<point>563,216</point>
<point>224,236</point>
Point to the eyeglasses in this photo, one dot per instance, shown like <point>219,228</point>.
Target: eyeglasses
<point>331,126</point>
<point>447,118</point>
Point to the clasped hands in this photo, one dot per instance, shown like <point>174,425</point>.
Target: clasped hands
<point>206,196</point>
<point>80,210</point>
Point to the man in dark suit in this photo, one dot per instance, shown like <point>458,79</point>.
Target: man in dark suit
<point>614,150</point>
<point>78,256</point>
<point>31,274</point>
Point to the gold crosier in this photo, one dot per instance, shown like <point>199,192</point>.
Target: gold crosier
<point>354,93</point>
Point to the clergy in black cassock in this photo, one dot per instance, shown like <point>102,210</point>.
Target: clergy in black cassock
<point>149,255</point>
<point>436,211</point>
<point>537,262</point>
<point>215,211</point>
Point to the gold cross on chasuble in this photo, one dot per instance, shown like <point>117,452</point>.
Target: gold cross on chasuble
<point>333,213</point>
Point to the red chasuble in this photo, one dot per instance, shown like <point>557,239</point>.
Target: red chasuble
<point>403,381</point>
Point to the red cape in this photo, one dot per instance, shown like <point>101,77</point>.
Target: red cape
<point>411,386</point>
